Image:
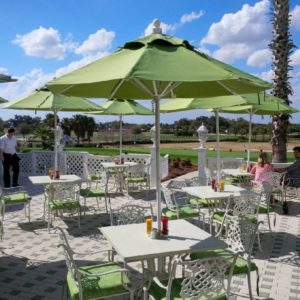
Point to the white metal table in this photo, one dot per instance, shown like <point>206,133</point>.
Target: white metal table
<point>281,165</point>
<point>44,180</point>
<point>132,243</point>
<point>118,170</point>
<point>236,173</point>
<point>206,192</point>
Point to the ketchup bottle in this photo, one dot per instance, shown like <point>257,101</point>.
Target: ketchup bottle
<point>57,174</point>
<point>213,183</point>
<point>165,226</point>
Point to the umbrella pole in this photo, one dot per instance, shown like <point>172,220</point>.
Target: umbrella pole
<point>249,140</point>
<point>55,140</point>
<point>121,137</point>
<point>218,145</point>
<point>157,160</point>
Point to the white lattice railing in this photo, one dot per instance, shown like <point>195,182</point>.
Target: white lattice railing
<point>79,163</point>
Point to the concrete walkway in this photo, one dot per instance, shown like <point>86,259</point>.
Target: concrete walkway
<point>33,267</point>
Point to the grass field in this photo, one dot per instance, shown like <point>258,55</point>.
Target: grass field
<point>173,153</point>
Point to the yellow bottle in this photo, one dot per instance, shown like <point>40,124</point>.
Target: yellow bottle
<point>148,226</point>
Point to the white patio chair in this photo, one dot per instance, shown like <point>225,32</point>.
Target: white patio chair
<point>130,214</point>
<point>201,279</point>
<point>240,238</point>
<point>137,178</point>
<point>100,280</point>
<point>61,198</point>
<point>17,195</point>
<point>96,188</point>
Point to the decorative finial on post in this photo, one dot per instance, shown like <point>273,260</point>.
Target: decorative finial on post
<point>156,26</point>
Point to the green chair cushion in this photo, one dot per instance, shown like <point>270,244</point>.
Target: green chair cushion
<point>159,293</point>
<point>64,204</point>
<point>136,180</point>
<point>200,202</point>
<point>276,191</point>
<point>263,208</point>
<point>219,216</point>
<point>241,264</point>
<point>184,213</point>
<point>95,177</point>
<point>96,287</point>
<point>16,198</point>
<point>92,192</point>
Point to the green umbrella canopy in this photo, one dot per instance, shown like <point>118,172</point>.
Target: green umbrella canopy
<point>180,104</point>
<point>268,105</point>
<point>176,65</point>
<point>122,107</point>
<point>2,100</point>
<point>43,99</point>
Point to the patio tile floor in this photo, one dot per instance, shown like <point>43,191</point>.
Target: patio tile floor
<point>33,267</point>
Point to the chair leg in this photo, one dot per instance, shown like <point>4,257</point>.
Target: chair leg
<point>97,199</point>
<point>249,282</point>
<point>258,242</point>
<point>79,213</point>
<point>269,223</point>
<point>29,211</point>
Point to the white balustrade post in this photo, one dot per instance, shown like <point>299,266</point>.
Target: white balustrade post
<point>85,165</point>
<point>201,165</point>
<point>202,136</point>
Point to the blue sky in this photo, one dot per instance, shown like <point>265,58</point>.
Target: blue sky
<point>41,39</point>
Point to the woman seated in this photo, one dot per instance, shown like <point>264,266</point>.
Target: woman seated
<point>261,169</point>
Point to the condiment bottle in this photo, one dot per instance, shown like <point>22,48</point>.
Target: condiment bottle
<point>57,174</point>
<point>165,225</point>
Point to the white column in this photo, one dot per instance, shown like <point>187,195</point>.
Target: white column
<point>201,165</point>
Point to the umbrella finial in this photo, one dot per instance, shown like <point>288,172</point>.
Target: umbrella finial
<point>156,26</point>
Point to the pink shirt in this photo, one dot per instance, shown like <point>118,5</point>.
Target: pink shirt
<point>261,172</point>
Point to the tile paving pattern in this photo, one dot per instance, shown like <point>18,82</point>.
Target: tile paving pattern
<point>33,267</point>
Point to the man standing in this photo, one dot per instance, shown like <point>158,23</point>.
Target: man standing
<point>8,155</point>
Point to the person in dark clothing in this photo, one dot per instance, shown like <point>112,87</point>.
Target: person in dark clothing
<point>9,157</point>
<point>292,176</point>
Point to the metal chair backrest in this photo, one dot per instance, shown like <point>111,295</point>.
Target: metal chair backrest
<point>275,179</point>
<point>68,253</point>
<point>130,214</point>
<point>176,184</point>
<point>202,277</point>
<point>246,205</point>
<point>2,211</point>
<point>62,191</point>
<point>138,170</point>
<point>169,199</point>
<point>241,234</point>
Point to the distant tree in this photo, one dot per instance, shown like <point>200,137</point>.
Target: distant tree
<point>66,125</point>
<point>79,128</point>
<point>49,120</point>
<point>46,135</point>
<point>90,127</point>
<point>25,129</point>
<point>136,130</point>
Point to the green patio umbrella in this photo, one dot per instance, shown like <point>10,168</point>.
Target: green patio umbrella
<point>155,67</point>
<point>214,103</point>
<point>2,100</point>
<point>44,100</point>
<point>261,104</point>
<point>122,107</point>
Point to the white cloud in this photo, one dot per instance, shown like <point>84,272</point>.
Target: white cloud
<point>98,42</point>
<point>267,76</point>
<point>260,58</point>
<point>187,18</point>
<point>295,58</point>
<point>242,32</point>
<point>171,28</point>
<point>43,42</point>
<point>295,19</point>
<point>3,71</point>
<point>230,52</point>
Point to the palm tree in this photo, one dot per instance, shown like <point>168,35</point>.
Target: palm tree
<point>281,47</point>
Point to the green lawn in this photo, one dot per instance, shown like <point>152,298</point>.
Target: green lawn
<point>173,153</point>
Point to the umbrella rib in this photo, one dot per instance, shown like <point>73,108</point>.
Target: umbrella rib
<point>143,86</point>
<point>170,86</point>
<point>116,88</point>
<point>226,88</point>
